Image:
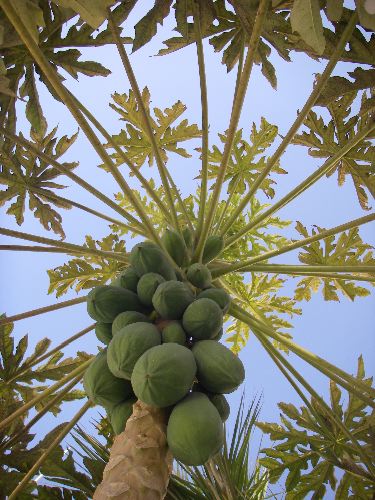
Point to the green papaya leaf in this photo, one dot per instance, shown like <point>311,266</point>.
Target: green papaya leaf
<point>85,273</point>
<point>31,15</point>
<point>306,20</point>
<point>25,175</point>
<point>313,449</point>
<point>324,140</point>
<point>34,111</point>
<point>338,86</point>
<point>134,137</point>
<point>94,12</point>
<point>344,248</point>
<point>334,9</point>
<point>146,28</point>
<point>247,159</point>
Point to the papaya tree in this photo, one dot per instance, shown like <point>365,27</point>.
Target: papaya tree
<point>202,263</point>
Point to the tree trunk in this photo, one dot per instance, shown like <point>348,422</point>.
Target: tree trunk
<point>140,462</point>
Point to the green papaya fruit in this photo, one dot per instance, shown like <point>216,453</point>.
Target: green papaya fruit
<point>188,237</point>
<point>103,331</point>
<point>146,257</point>
<point>147,286</point>
<point>127,318</point>
<point>173,332</point>
<point>175,246</point>
<point>105,302</point>
<point>213,247</point>
<point>219,370</point>
<point>219,295</point>
<point>102,387</point>
<point>199,275</point>
<point>171,299</point>
<point>128,345</point>
<point>119,415</point>
<point>127,279</point>
<point>218,400</point>
<point>219,335</point>
<point>164,374</point>
<point>202,319</point>
<point>221,404</point>
<point>195,430</point>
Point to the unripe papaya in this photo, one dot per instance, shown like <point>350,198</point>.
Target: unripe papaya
<point>102,387</point>
<point>105,302</point>
<point>128,345</point>
<point>213,247</point>
<point>175,246</point>
<point>127,279</point>
<point>147,286</point>
<point>202,319</point>
<point>219,370</point>
<point>127,318</point>
<point>199,275</point>
<point>119,415</point>
<point>219,335</point>
<point>103,332</point>
<point>146,257</point>
<point>164,374</point>
<point>195,430</point>
<point>171,299</point>
<point>188,237</point>
<point>173,332</point>
<point>221,404</point>
<point>219,295</point>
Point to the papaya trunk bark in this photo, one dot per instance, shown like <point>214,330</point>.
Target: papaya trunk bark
<point>140,462</point>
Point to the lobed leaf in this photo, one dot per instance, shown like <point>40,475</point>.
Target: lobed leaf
<point>324,141</point>
<point>84,273</point>
<point>345,248</point>
<point>313,449</point>
<point>134,138</point>
<point>23,172</point>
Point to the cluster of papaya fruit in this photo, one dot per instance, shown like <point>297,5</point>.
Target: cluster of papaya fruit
<point>162,332</point>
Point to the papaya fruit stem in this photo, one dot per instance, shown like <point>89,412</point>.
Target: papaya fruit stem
<point>51,74</point>
<point>146,118</point>
<point>233,190</point>
<point>317,89</point>
<point>137,226</point>
<point>66,246</point>
<point>204,108</point>
<point>8,444</point>
<point>321,271</point>
<point>303,186</point>
<point>344,379</point>
<point>41,310</point>
<point>50,390</point>
<point>61,435</point>
<point>235,116</point>
<point>240,266</point>
<point>48,354</point>
<point>36,248</point>
<point>124,157</point>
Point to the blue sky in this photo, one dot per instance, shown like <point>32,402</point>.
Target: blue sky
<point>340,332</point>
